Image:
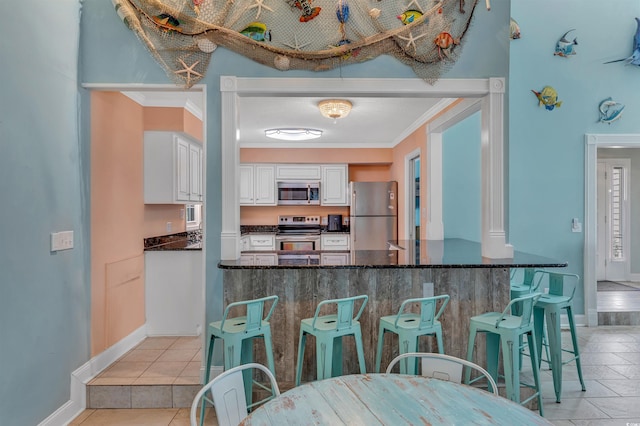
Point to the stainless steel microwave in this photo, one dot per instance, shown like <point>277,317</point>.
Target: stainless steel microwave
<point>298,193</point>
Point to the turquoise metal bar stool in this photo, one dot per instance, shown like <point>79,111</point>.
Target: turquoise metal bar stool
<point>562,288</point>
<point>529,283</point>
<point>504,330</point>
<point>237,335</point>
<point>410,326</point>
<point>329,331</point>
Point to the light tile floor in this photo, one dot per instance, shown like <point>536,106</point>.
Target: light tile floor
<point>157,361</point>
<point>610,364</point>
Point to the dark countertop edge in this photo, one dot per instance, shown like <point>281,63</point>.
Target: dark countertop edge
<point>176,247</point>
<point>231,264</point>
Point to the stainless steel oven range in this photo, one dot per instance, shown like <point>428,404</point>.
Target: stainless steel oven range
<point>298,233</point>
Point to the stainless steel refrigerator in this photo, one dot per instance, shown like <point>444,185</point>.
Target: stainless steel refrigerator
<point>373,217</point>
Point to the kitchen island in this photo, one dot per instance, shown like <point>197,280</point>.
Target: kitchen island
<point>409,269</point>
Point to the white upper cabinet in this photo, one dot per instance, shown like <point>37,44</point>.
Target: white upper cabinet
<point>334,187</point>
<point>172,168</point>
<point>257,185</point>
<point>298,172</point>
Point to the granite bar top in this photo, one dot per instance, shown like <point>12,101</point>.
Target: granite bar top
<point>190,240</point>
<point>419,254</point>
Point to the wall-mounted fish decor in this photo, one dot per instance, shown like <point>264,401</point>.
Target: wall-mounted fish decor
<point>564,47</point>
<point>610,110</point>
<point>548,97</point>
<point>514,30</point>
<point>257,31</point>
<point>308,12</point>
<point>634,59</point>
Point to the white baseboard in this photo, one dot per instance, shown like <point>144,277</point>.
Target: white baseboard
<point>80,377</point>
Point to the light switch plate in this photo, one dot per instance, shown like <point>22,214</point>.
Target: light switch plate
<point>61,240</point>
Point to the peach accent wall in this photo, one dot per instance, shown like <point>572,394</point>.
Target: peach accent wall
<point>416,140</point>
<point>119,218</point>
<point>117,212</point>
<point>268,215</point>
<point>369,173</point>
<point>317,155</point>
<point>156,217</point>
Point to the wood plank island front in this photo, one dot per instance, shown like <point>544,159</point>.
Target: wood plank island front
<point>410,269</point>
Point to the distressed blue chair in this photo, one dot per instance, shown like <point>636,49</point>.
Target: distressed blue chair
<point>504,329</point>
<point>237,335</point>
<point>328,331</point>
<point>562,288</point>
<point>410,326</point>
<point>445,367</point>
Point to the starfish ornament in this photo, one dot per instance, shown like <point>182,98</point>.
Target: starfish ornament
<point>411,40</point>
<point>259,5</point>
<point>188,70</point>
<point>296,45</point>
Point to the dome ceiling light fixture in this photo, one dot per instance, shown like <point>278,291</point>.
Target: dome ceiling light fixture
<point>293,134</point>
<point>335,108</point>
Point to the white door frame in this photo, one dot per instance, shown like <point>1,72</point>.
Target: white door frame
<point>410,199</point>
<point>592,143</point>
<point>488,94</point>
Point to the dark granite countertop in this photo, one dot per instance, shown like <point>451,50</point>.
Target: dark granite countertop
<point>190,240</point>
<point>450,253</point>
<point>181,245</point>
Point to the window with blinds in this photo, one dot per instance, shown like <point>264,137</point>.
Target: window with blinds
<point>616,215</point>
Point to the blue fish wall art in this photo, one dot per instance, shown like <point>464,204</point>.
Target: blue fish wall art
<point>564,47</point>
<point>610,110</point>
<point>634,59</point>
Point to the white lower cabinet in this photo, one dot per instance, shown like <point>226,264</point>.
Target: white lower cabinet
<point>334,242</point>
<point>334,259</point>
<point>265,242</point>
<point>259,259</point>
<point>174,296</point>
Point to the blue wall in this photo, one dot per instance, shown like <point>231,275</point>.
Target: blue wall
<point>44,176</point>
<point>461,164</point>
<point>44,296</point>
<point>546,148</point>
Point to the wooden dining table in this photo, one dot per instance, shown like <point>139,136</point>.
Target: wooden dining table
<point>390,399</point>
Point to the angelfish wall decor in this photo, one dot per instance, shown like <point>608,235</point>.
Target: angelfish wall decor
<point>564,47</point>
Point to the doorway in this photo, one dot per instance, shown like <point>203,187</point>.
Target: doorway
<point>605,309</point>
<point>412,183</point>
<point>118,209</point>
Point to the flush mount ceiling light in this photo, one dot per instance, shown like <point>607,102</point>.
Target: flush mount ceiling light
<point>293,134</point>
<point>335,108</point>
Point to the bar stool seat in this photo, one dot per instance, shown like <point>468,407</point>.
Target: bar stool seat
<point>328,331</point>
<point>237,336</point>
<point>410,326</point>
<point>505,330</point>
<point>549,308</point>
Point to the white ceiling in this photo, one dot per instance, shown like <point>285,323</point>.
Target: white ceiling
<point>374,122</point>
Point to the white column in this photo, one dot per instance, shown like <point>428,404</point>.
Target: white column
<point>230,234</point>
<point>494,243</point>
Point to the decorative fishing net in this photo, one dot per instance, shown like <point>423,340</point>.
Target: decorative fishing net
<point>313,35</point>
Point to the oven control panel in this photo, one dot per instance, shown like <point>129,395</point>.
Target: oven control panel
<point>298,220</point>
